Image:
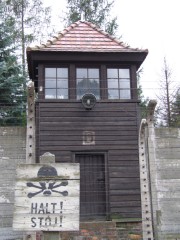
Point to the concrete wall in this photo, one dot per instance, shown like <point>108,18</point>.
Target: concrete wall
<point>164,167</point>
<point>159,161</point>
<point>165,178</point>
<point>12,152</point>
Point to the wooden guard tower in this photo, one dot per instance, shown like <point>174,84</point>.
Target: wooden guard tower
<point>87,111</point>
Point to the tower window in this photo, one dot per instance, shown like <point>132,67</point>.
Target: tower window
<point>56,83</point>
<point>118,83</point>
<point>87,81</point>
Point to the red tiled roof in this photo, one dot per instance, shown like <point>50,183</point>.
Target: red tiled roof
<point>84,37</point>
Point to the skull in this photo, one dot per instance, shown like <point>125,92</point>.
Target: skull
<point>47,187</point>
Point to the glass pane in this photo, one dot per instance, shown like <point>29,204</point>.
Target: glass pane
<point>112,73</point>
<point>81,72</point>
<point>81,87</point>
<point>62,93</point>
<point>125,94</point>
<point>113,94</point>
<point>62,72</point>
<point>50,72</point>
<point>50,93</point>
<point>87,82</point>
<point>80,93</point>
<point>124,73</point>
<point>93,73</point>
<point>50,83</point>
<point>62,83</point>
<point>93,83</point>
<point>125,83</point>
<point>112,83</point>
<point>82,83</point>
<point>94,87</point>
<point>96,93</point>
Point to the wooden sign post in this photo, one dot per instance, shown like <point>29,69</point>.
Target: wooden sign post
<point>47,197</point>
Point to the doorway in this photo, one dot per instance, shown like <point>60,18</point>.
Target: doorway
<point>92,186</point>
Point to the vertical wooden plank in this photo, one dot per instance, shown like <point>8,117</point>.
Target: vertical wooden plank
<point>103,82</point>
<point>37,136</point>
<point>133,82</point>
<point>72,82</point>
<point>49,158</point>
<point>41,82</point>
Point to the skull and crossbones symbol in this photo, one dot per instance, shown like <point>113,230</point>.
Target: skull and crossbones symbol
<point>47,187</point>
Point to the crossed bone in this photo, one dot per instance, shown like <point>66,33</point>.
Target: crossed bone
<point>45,190</point>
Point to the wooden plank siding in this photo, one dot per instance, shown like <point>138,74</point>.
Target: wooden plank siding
<point>59,130</point>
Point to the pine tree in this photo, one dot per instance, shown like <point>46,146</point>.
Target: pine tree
<point>175,115</point>
<point>12,96</point>
<point>32,20</point>
<point>143,100</point>
<point>95,11</point>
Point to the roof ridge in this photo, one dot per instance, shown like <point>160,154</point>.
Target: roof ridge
<point>121,43</point>
<point>106,34</point>
<point>73,25</point>
<point>66,30</point>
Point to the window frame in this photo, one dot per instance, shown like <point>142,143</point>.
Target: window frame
<point>103,81</point>
<point>57,80</point>
<point>119,79</point>
<point>88,68</point>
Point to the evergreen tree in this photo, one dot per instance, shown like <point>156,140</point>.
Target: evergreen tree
<point>175,115</point>
<point>143,101</point>
<point>32,20</point>
<point>95,11</point>
<point>12,96</point>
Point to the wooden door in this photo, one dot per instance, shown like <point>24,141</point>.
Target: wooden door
<point>92,186</point>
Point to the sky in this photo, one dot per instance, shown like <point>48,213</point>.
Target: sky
<point>144,24</point>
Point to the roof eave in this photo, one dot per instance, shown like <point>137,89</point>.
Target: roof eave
<point>34,56</point>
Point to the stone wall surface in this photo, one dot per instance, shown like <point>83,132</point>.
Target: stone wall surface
<point>164,160</point>
<point>165,180</point>
<point>12,152</point>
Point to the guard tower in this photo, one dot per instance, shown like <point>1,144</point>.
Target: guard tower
<point>87,112</point>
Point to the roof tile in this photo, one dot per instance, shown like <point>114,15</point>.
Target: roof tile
<point>84,37</point>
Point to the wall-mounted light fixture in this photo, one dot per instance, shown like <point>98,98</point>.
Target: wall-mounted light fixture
<point>88,101</point>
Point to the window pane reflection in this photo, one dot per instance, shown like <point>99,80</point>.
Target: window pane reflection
<point>62,83</point>
<point>81,73</point>
<point>118,83</point>
<point>124,73</point>
<point>87,81</point>
<point>125,94</point>
<point>50,93</point>
<point>50,83</point>
<point>93,73</point>
<point>125,83</point>
<point>112,83</point>
<point>112,73</point>
<point>113,94</point>
<point>62,93</point>
<point>50,72</point>
<point>62,73</point>
<point>56,83</point>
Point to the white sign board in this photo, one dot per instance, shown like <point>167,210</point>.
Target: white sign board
<point>47,197</point>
